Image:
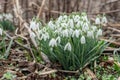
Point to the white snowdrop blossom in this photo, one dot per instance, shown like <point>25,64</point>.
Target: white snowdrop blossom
<point>1,17</point>
<point>104,19</point>
<point>32,34</point>
<point>60,19</point>
<point>85,18</point>
<point>58,39</point>
<point>78,24</point>
<point>71,23</point>
<point>85,27</point>
<point>34,26</point>
<point>52,42</point>
<point>83,41</point>
<point>51,25</point>
<point>44,36</point>
<point>8,16</point>
<point>90,34</point>
<point>97,20</point>
<point>68,47</point>
<point>1,31</point>
<point>99,33</point>
<point>76,18</point>
<point>64,25</point>
<point>70,32</point>
<point>65,33</point>
<point>94,28</point>
<point>76,33</point>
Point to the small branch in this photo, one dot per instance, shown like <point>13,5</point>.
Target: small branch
<point>91,74</point>
<point>107,12</point>
<point>114,29</point>
<point>47,72</point>
<point>65,71</point>
<point>113,42</point>
<point>41,8</point>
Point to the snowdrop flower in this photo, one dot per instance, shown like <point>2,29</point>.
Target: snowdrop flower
<point>65,17</point>
<point>1,17</point>
<point>76,33</point>
<point>64,25</point>
<point>76,18</point>
<point>97,20</point>
<point>85,27</point>
<point>104,19</point>
<point>84,18</point>
<point>58,31</point>
<point>99,33</point>
<point>1,31</point>
<point>90,34</point>
<point>32,34</point>
<point>68,47</point>
<point>70,32</point>
<point>44,36</point>
<point>78,24</point>
<point>94,28</point>
<point>83,41</point>
<point>8,16</point>
<point>71,23</point>
<point>34,26</point>
<point>65,33</point>
<point>59,19</point>
<point>58,39</point>
<point>51,25</point>
<point>52,42</point>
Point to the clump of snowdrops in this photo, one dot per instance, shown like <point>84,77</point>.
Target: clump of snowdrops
<point>6,21</point>
<point>70,40</point>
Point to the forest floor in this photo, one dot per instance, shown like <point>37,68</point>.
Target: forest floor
<point>107,67</point>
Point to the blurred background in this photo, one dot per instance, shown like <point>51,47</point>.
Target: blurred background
<point>53,8</point>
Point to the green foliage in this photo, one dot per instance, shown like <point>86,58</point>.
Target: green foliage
<point>8,76</point>
<point>117,60</point>
<point>2,46</point>
<point>6,22</point>
<point>7,25</point>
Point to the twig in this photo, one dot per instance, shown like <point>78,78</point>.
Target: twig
<point>108,2</point>
<point>115,35</point>
<point>47,72</point>
<point>107,12</point>
<point>91,74</point>
<point>65,71</point>
<point>114,29</point>
<point>18,11</point>
<point>113,42</point>
<point>46,9</point>
<point>40,10</point>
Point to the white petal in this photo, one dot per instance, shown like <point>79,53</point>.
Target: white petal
<point>99,33</point>
<point>90,34</point>
<point>68,47</point>
<point>97,20</point>
<point>32,34</point>
<point>104,20</point>
<point>83,41</point>
<point>52,42</point>
<point>1,31</point>
<point>58,39</point>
